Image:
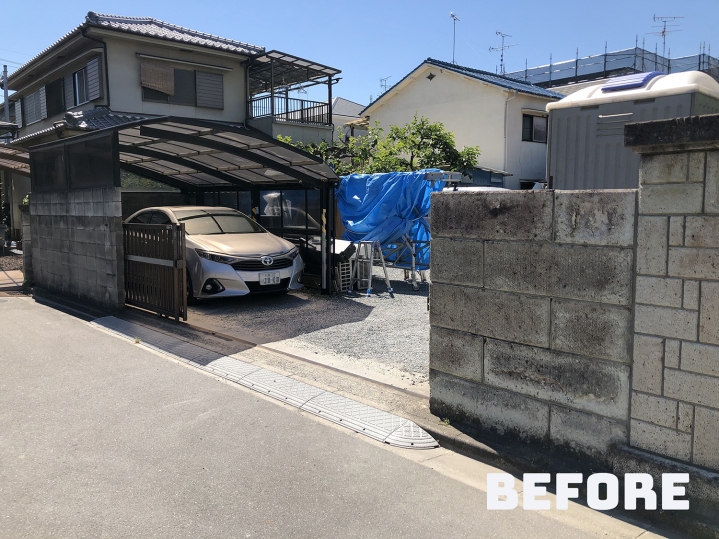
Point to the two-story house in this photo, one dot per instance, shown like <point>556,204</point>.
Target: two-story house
<point>112,70</point>
<point>505,117</point>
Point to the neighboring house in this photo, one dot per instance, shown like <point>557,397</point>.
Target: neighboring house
<point>505,117</point>
<point>345,114</point>
<point>111,70</point>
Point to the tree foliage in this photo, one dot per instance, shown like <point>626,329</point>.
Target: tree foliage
<point>417,145</point>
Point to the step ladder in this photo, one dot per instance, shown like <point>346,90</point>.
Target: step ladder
<point>371,252</point>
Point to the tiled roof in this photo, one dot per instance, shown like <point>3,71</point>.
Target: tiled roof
<point>99,118</point>
<point>86,120</point>
<point>154,28</point>
<point>485,76</point>
<point>149,27</point>
<point>345,107</point>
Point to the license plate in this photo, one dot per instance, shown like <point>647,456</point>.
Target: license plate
<point>272,277</point>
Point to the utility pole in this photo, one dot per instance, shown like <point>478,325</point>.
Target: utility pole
<point>5,94</point>
<point>454,33</point>
<point>501,49</point>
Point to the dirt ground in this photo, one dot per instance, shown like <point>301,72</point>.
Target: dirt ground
<point>10,261</point>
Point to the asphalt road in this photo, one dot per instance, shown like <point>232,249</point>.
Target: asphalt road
<point>102,438</point>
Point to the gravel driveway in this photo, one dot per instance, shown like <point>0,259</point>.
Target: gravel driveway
<point>383,334</point>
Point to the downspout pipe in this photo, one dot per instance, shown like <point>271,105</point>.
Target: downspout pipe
<point>6,110</point>
<point>107,65</point>
<point>506,126</point>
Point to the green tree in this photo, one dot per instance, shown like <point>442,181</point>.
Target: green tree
<point>417,145</point>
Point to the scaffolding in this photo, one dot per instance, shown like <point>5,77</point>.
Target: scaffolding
<point>611,64</point>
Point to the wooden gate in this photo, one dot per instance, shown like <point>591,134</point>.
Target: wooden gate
<point>155,262</point>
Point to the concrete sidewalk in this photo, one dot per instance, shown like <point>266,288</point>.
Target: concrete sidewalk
<point>11,280</point>
<point>103,438</point>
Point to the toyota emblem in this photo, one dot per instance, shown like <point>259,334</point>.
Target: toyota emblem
<point>267,261</point>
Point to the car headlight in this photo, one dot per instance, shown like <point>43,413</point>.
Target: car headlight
<point>207,255</point>
<point>293,253</point>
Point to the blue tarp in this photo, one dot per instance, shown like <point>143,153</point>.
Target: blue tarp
<point>387,207</point>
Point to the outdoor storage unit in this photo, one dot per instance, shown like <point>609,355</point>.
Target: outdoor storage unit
<point>586,129</point>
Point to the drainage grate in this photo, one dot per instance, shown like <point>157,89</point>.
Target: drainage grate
<point>361,418</point>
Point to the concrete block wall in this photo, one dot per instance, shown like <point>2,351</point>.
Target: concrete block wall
<point>675,390</point>
<point>77,245</point>
<point>531,314</point>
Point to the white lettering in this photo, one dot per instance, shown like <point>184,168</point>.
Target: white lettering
<point>494,491</point>
<point>639,485</point>
<point>563,490</point>
<point>593,499</point>
<point>531,491</point>
<point>669,491</point>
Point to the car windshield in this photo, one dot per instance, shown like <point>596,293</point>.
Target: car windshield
<point>205,223</point>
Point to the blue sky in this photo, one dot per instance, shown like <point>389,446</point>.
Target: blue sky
<point>371,39</point>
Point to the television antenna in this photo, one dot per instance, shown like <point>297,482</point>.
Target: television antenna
<point>383,83</point>
<point>501,50</point>
<point>663,32</point>
<point>455,19</point>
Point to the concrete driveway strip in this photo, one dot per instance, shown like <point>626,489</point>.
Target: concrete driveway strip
<point>103,438</point>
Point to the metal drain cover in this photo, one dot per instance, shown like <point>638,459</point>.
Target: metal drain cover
<point>361,418</point>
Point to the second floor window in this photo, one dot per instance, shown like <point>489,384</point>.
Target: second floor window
<point>79,80</point>
<point>165,84</point>
<point>534,128</point>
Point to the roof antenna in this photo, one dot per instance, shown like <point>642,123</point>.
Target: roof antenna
<point>383,83</point>
<point>664,31</point>
<point>454,33</point>
<point>501,50</point>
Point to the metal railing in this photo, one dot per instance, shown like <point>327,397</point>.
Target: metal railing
<point>155,262</point>
<point>287,109</point>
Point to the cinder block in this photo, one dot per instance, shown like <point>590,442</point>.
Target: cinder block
<point>456,353</point>
<point>690,387</point>
<point>595,217</point>
<point>453,307</point>
<point>652,245</point>
<point>591,329</point>
<point>701,358</point>
<point>663,168</point>
<point>586,433</point>
<point>671,199</point>
<point>706,437</point>
<point>676,230</point>
<point>595,386</point>
<point>457,261</point>
<point>579,272</point>
<point>667,442</point>
<point>659,291</point>
<point>685,419</point>
<point>671,353</point>
<point>656,410</point>
<point>709,319</point>
<point>647,364</point>
<point>697,163</point>
<point>694,263</point>
<point>499,315</point>
<point>702,231</point>
<point>711,190</point>
<point>691,295</point>
<point>666,322</point>
<point>498,215</point>
<point>495,409</point>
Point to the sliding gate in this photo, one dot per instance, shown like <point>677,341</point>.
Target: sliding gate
<point>155,262</point>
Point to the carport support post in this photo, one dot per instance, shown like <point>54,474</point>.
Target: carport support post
<point>327,233</point>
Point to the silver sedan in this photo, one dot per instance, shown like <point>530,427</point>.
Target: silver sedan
<point>229,254</point>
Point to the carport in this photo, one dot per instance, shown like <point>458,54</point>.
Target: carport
<point>288,191</point>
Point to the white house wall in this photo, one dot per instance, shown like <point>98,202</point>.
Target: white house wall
<point>126,88</point>
<point>475,112</point>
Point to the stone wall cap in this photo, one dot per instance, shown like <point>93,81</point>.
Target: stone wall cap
<point>675,134</point>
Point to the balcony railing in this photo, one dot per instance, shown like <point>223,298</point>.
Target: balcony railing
<point>290,110</point>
